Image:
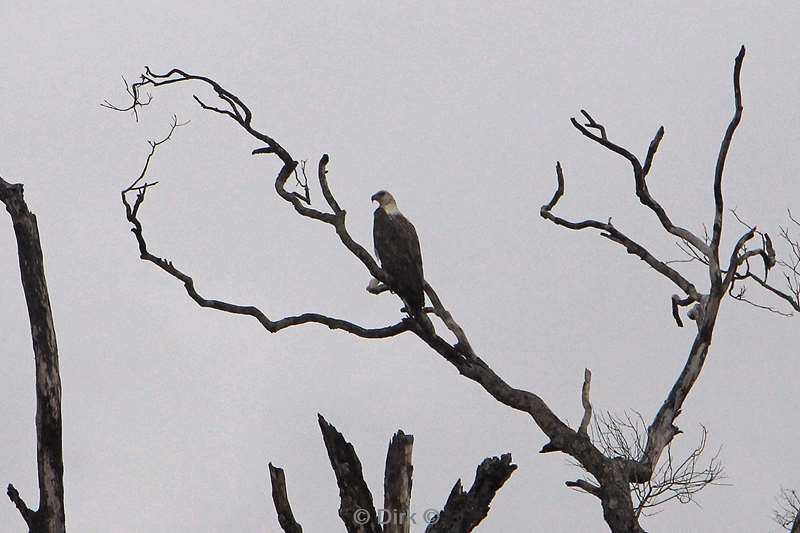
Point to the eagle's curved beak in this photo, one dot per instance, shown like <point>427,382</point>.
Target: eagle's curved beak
<point>374,197</point>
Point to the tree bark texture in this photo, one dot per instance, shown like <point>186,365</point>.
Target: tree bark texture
<point>49,517</point>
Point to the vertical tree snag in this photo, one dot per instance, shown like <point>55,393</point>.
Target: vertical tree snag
<point>281,500</point>
<point>612,474</point>
<point>49,517</point>
<point>356,510</point>
<point>397,482</point>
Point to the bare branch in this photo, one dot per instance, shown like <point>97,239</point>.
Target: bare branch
<point>625,436</point>
<point>677,302</point>
<point>639,175</point>
<point>27,515</point>
<point>740,296</point>
<point>585,486</point>
<point>587,405</point>
<point>613,474</point>
<point>723,154</point>
<point>792,300</point>
<point>303,184</point>
<point>153,146</point>
<point>137,101</point>
<point>736,260</point>
<point>613,234</point>
<point>787,514</point>
<point>651,151</point>
<point>769,257</point>
<point>463,511</point>
<point>594,125</point>
<point>462,344</point>
<point>323,182</point>
<point>270,325</point>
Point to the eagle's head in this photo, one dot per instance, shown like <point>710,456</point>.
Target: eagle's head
<point>385,200</point>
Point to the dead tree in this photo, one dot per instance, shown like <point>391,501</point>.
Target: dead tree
<point>462,512</point>
<point>613,475</point>
<point>787,515</point>
<point>49,517</point>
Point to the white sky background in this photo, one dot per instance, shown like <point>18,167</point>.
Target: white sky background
<point>171,412</point>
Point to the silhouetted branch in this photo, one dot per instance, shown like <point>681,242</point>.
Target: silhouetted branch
<point>641,468</point>
<point>625,436</point>
<point>272,326</point>
<point>459,354</point>
<point>613,474</point>
<point>639,176</point>
<point>787,514</point>
<point>463,511</point>
<point>610,232</point>
<point>723,155</point>
<point>587,405</point>
<point>27,515</point>
<point>769,258</point>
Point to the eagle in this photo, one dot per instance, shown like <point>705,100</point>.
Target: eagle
<point>397,248</point>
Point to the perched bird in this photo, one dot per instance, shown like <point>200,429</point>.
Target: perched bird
<point>397,248</point>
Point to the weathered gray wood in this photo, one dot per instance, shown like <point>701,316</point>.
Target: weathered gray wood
<point>357,510</point>
<point>281,500</point>
<point>49,517</point>
<point>397,484</point>
<point>463,511</point>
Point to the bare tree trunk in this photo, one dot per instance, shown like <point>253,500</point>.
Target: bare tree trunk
<point>397,484</point>
<point>49,518</point>
<point>615,498</point>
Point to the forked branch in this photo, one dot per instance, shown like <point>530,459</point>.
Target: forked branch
<point>769,260</point>
<point>613,474</point>
<point>609,231</point>
<point>140,186</point>
<point>704,306</point>
<point>787,514</point>
<point>460,353</point>
<point>674,479</point>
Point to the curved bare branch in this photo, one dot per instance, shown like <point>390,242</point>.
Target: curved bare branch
<point>273,326</point>
<point>610,232</point>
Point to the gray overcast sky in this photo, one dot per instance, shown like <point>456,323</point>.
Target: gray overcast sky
<point>172,412</point>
